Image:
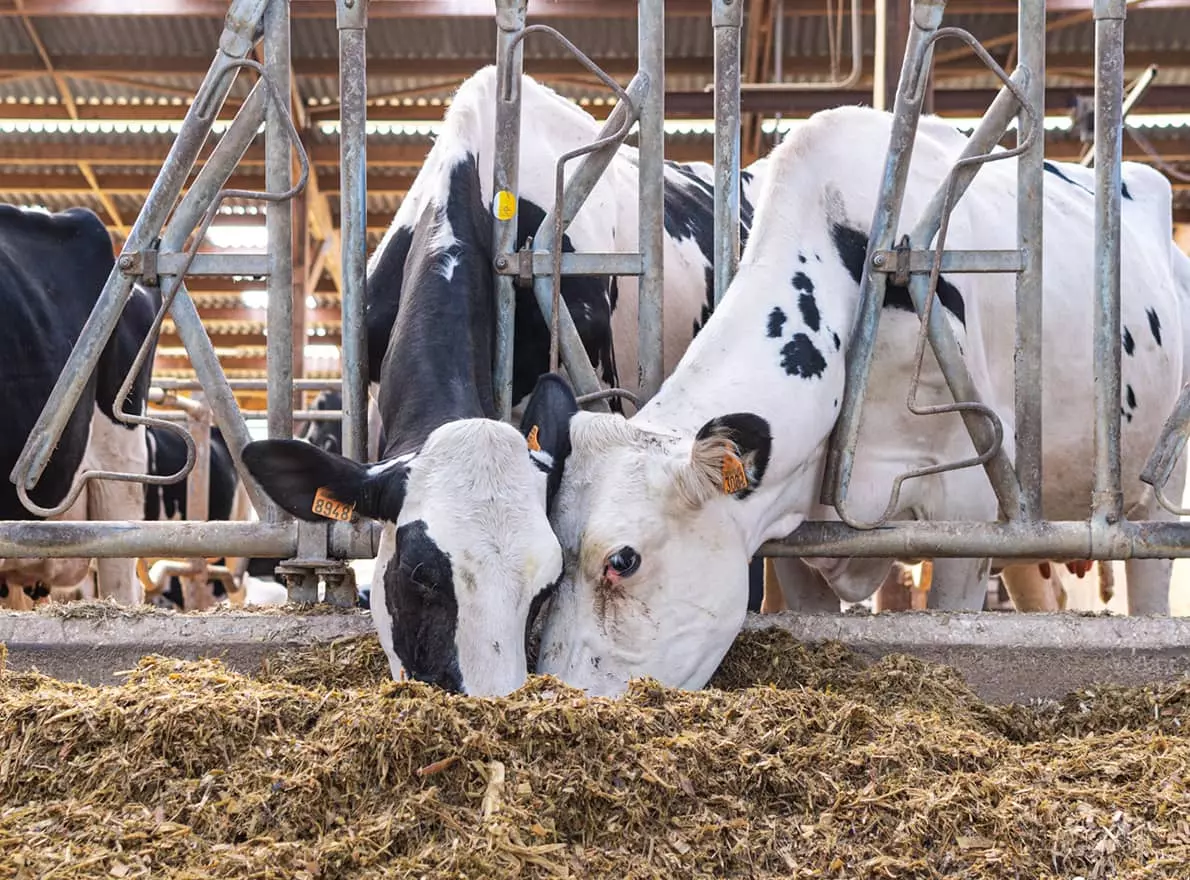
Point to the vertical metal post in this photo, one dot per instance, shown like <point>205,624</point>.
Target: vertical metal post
<point>727,17</point>
<point>510,53</point>
<point>651,53</point>
<point>927,16</point>
<point>880,58</point>
<point>1029,287</point>
<point>1107,501</point>
<point>278,176</point>
<point>352,21</point>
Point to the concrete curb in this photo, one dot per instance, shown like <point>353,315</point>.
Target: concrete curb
<point>1004,657</point>
<point>1008,657</point>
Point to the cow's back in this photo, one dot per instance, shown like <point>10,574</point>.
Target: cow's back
<point>52,270</point>
<point>1152,324</point>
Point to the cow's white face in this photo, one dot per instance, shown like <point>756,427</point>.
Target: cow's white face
<point>656,565</point>
<point>468,554</point>
<point>473,549</point>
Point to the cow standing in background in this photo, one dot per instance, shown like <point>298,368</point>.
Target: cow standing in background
<point>52,269</point>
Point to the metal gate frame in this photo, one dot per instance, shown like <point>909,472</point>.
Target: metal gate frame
<point>154,250</point>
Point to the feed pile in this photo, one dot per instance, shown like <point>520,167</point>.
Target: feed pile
<point>799,761</point>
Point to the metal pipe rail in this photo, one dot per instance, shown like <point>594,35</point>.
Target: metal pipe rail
<point>545,263</point>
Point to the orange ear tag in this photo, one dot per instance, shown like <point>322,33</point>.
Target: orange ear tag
<point>734,477</point>
<point>325,505</point>
<point>534,446</point>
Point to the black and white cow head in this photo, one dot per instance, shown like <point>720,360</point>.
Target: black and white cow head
<point>468,554</point>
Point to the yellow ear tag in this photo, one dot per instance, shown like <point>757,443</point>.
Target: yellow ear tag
<point>505,205</point>
<point>534,446</point>
<point>325,505</point>
<point>734,477</point>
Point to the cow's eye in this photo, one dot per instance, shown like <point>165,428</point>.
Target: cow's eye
<point>624,561</point>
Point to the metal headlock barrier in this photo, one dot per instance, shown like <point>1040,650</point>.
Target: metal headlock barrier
<point>154,255</point>
<point>1022,533</point>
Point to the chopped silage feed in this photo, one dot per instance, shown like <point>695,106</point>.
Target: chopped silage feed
<point>799,761</point>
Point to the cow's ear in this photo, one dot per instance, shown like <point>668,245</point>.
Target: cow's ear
<point>546,426</point>
<point>729,457</point>
<point>316,485</point>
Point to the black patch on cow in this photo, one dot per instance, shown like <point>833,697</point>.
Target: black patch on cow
<point>1129,343</point>
<point>776,322</point>
<point>689,214</point>
<point>419,593</point>
<point>382,297</point>
<point>837,341</point>
<point>801,258</point>
<point>852,247</point>
<point>745,176</point>
<point>1053,169</point>
<point>1124,191</point>
<point>550,408</point>
<point>1130,396</point>
<point>801,281</point>
<point>809,309</point>
<point>753,438</point>
<point>613,293</point>
<point>800,357</point>
<point>532,629</point>
<point>1154,324</point>
<point>591,300</point>
<point>167,456</point>
<point>1124,414</point>
<point>52,270</point>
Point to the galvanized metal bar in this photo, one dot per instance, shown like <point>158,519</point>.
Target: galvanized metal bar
<point>727,17</point>
<point>927,16</point>
<point>278,176</point>
<point>1161,462</point>
<point>167,384</point>
<point>577,189</point>
<point>1107,499</point>
<point>300,415</point>
<point>1008,540</point>
<point>236,41</point>
<point>181,540</point>
<point>352,22</point>
<point>955,262</point>
<point>220,397</point>
<point>1135,94</point>
<point>854,75</point>
<point>510,51</point>
<point>216,264</point>
<point>651,54</point>
<point>1030,282</point>
<point>592,264</point>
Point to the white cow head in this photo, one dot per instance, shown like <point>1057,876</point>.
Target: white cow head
<point>656,558</point>
<point>469,555</point>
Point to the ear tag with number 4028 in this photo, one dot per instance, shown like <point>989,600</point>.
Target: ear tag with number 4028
<point>735,478</point>
<point>325,505</point>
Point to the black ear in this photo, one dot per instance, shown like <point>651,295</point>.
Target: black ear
<point>546,426</point>
<point>754,443</point>
<point>316,485</point>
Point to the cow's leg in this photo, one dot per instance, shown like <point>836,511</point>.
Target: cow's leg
<point>1032,587</point>
<point>896,593</point>
<point>118,449</point>
<point>803,587</point>
<point>773,601</point>
<point>958,584</point>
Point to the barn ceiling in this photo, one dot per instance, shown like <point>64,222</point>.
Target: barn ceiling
<point>92,91</point>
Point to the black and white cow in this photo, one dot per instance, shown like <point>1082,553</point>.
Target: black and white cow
<point>468,554</point>
<point>52,270</point>
<point>657,514</point>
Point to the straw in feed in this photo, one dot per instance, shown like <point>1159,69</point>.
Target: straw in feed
<point>798,762</point>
